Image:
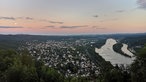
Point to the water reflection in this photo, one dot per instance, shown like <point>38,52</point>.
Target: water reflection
<point>107,52</point>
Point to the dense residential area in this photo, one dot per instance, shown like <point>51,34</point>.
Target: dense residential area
<point>69,57</point>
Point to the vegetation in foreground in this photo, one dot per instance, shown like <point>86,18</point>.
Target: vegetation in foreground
<point>16,67</point>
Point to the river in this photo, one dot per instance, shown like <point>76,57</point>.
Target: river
<point>107,52</point>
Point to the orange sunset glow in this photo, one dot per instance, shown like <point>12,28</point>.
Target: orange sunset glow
<point>57,17</point>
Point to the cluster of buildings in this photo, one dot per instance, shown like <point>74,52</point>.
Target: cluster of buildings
<point>68,57</point>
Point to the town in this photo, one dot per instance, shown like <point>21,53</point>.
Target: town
<point>68,57</point>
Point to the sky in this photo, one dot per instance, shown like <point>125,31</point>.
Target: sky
<point>64,17</point>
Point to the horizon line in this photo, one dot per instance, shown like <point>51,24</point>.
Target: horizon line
<point>73,34</point>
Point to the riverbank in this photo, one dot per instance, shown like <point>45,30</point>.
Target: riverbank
<point>107,52</point>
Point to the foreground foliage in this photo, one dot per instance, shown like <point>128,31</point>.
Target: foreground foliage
<point>23,68</point>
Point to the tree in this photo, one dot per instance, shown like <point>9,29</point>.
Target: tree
<point>22,67</point>
<point>138,68</point>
